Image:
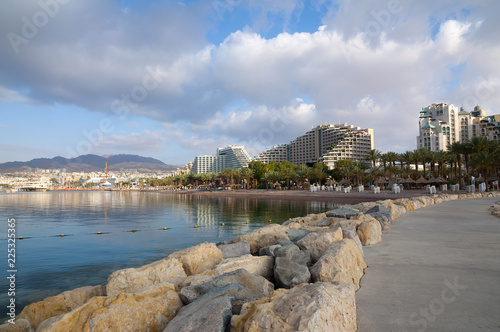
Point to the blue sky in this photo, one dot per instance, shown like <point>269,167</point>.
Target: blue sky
<point>176,79</point>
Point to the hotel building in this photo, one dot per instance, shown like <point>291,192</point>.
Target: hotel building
<point>233,156</point>
<point>325,143</point>
<point>441,124</point>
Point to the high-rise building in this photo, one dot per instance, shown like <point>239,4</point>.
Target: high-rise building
<point>232,156</point>
<point>325,143</point>
<point>441,124</point>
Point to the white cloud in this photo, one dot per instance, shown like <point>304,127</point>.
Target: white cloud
<point>350,70</point>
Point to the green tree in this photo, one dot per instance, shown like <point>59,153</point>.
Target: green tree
<point>373,156</point>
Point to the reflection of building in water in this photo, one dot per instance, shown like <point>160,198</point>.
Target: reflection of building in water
<point>207,215</point>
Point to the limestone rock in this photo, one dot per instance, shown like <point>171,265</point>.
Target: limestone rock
<point>344,223</point>
<point>370,232</point>
<point>260,265</point>
<point>37,312</point>
<point>150,310</point>
<point>309,220</point>
<point>341,262</point>
<point>199,258</point>
<point>342,212</point>
<point>283,242</point>
<point>21,325</point>
<point>269,251</point>
<point>379,210</point>
<point>167,270</point>
<point>262,237</point>
<point>234,249</point>
<point>250,287</point>
<point>416,203</point>
<point>350,233</point>
<point>307,307</point>
<point>211,312</point>
<point>294,254</point>
<point>406,203</point>
<point>363,207</point>
<point>395,210</point>
<point>318,242</point>
<point>295,234</point>
<point>425,200</point>
<point>289,274</point>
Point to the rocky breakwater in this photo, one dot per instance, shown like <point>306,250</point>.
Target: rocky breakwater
<point>298,276</point>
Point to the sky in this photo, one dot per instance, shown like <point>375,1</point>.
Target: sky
<point>176,79</point>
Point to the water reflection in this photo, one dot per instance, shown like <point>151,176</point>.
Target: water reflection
<point>49,264</point>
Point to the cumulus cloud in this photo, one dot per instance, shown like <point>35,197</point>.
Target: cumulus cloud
<point>373,64</point>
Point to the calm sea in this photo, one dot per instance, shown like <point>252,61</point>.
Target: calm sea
<point>48,264</point>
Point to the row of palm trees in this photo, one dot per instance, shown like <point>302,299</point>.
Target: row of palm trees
<point>478,156</point>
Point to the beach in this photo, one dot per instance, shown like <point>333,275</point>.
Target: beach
<point>353,197</point>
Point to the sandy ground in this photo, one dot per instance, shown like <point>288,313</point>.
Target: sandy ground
<point>353,197</point>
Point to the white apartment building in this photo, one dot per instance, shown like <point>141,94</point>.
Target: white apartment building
<point>278,153</point>
<point>441,124</point>
<point>325,143</point>
<point>232,156</point>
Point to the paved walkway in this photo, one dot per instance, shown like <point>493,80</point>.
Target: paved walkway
<point>437,269</point>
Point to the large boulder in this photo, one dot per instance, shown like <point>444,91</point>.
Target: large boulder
<point>342,212</point>
<point>21,325</point>
<point>344,223</point>
<point>307,307</point>
<point>351,233</point>
<point>260,265</point>
<point>167,270</point>
<point>211,312</point>
<point>262,237</point>
<point>251,287</point>
<point>288,274</point>
<point>309,220</point>
<point>382,214</point>
<point>363,207</point>
<point>370,231</point>
<point>199,258</point>
<point>318,242</point>
<point>406,203</point>
<point>269,251</point>
<point>234,249</point>
<point>294,254</point>
<point>342,262</point>
<point>295,234</point>
<point>37,312</point>
<point>150,310</point>
<point>395,210</point>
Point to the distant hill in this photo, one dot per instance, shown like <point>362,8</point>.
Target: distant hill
<point>91,162</point>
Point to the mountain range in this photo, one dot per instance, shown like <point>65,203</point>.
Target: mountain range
<point>91,163</point>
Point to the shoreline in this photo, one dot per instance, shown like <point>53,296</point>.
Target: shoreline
<point>321,196</point>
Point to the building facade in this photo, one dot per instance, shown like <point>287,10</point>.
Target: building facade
<point>233,156</point>
<point>440,125</point>
<point>325,143</point>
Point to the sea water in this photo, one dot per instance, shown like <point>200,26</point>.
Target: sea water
<point>75,239</point>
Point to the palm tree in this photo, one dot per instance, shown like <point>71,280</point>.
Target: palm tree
<point>456,149</point>
<point>374,155</point>
<point>441,158</point>
<point>246,174</point>
<point>303,173</point>
<point>416,157</point>
<point>424,156</point>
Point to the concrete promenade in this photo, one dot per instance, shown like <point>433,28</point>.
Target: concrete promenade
<point>437,269</point>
